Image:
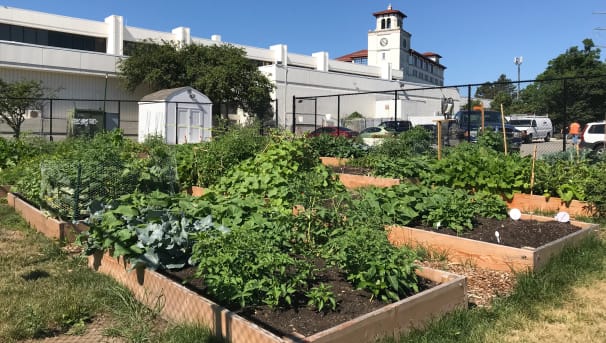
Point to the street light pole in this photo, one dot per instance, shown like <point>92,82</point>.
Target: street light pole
<point>518,61</point>
<point>279,64</point>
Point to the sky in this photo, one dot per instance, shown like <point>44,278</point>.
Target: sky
<point>477,39</point>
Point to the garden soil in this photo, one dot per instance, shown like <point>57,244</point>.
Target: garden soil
<point>483,285</point>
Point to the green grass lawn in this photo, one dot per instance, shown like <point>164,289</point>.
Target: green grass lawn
<point>45,292</point>
<point>559,294</point>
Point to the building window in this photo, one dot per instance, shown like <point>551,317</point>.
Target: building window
<point>360,60</point>
<point>404,43</point>
<point>382,23</point>
<point>388,24</point>
<point>5,32</point>
<point>383,56</point>
<point>29,35</point>
<point>21,34</point>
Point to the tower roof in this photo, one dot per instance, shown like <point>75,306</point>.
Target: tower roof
<point>389,10</point>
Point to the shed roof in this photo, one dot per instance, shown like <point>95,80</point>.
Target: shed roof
<point>165,94</point>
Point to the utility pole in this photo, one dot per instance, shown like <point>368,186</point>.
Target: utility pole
<point>518,61</point>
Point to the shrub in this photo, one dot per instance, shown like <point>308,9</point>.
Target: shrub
<point>204,163</point>
<point>337,146</point>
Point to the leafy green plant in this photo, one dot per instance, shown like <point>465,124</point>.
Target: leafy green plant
<point>321,296</point>
<point>283,174</point>
<point>441,207</point>
<point>205,163</point>
<point>245,267</point>
<point>146,231</point>
<point>382,206</point>
<point>475,168</point>
<point>337,146</point>
<point>372,263</point>
<point>416,141</point>
<point>413,167</point>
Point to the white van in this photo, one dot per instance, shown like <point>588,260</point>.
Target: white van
<point>533,126</point>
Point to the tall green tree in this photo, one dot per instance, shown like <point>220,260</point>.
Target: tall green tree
<point>573,87</point>
<point>222,72</point>
<point>16,98</point>
<point>490,90</point>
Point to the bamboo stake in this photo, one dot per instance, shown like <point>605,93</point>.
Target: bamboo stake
<point>534,158</point>
<point>504,132</point>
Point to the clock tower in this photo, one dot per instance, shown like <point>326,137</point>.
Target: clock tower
<point>388,42</point>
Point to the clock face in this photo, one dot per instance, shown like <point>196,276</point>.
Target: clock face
<point>383,41</point>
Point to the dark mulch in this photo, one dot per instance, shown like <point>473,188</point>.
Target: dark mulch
<point>353,303</point>
<point>513,233</point>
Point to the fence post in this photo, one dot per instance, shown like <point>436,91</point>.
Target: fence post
<point>338,115</point>
<point>294,119</point>
<point>177,123</point>
<point>315,113</point>
<point>395,108</point>
<point>77,193</point>
<point>51,121</point>
<point>469,113</point>
<point>565,116</point>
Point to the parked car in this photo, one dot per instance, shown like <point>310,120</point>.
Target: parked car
<point>376,132</point>
<point>334,131</point>
<point>593,136</point>
<point>467,124</point>
<point>432,128</point>
<point>396,125</point>
<point>533,127</point>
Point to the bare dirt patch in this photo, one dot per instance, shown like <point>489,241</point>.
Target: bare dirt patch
<point>513,233</point>
<point>92,333</point>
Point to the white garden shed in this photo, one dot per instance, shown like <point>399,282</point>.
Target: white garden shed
<point>180,115</point>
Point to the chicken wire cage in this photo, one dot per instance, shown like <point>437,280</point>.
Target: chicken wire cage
<point>69,188</point>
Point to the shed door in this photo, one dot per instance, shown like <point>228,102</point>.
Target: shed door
<point>189,125</point>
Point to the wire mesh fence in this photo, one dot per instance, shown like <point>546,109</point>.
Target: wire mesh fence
<point>69,189</point>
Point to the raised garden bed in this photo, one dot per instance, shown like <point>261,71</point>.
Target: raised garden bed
<point>4,190</point>
<point>182,305</point>
<point>489,254</point>
<point>351,181</point>
<point>539,204</point>
<point>49,226</point>
<point>185,306</point>
<point>196,191</point>
<point>355,177</point>
<point>333,161</point>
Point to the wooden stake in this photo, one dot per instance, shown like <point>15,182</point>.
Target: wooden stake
<point>534,157</point>
<point>504,132</point>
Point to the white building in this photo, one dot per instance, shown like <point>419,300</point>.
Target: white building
<point>78,58</point>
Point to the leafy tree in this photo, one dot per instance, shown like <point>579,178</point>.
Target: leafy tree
<point>504,99</point>
<point>16,98</point>
<point>490,90</point>
<point>222,72</point>
<point>573,87</point>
